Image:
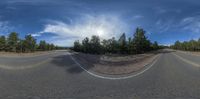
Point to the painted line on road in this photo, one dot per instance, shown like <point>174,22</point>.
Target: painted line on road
<point>115,78</point>
<point>187,61</point>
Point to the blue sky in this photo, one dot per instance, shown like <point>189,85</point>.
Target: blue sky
<point>63,21</point>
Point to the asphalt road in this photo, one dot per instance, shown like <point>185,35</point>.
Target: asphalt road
<point>57,76</point>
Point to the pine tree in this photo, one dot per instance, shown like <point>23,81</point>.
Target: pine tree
<point>2,43</point>
<point>122,43</point>
<point>140,41</point>
<point>77,46</point>
<point>13,41</point>
<point>30,43</point>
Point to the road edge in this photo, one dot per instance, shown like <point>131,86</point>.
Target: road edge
<point>186,60</point>
<point>148,66</point>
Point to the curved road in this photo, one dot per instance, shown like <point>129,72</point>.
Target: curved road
<point>57,76</point>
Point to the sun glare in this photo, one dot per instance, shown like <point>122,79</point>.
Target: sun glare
<point>100,32</point>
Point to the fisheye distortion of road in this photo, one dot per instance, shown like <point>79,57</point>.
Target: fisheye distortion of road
<point>102,49</point>
<point>61,77</point>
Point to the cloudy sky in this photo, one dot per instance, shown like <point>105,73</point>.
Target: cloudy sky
<point>63,21</point>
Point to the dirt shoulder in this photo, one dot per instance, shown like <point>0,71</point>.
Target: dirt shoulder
<point>197,53</point>
<point>13,54</point>
<point>194,53</point>
<point>115,64</point>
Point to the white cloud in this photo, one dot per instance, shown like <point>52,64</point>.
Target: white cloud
<point>137,16</point>
<point>160,10</point>
<point>105,26</point>
<point>163,26</point>
<point>5,27</point>
<point>163,10</point>
<point>191,24</point>
<point>187,19</point>
<point>35,34</point>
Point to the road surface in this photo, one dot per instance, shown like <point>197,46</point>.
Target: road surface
<point>57,76</point>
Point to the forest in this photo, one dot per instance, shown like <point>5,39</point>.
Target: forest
<point>192,45</point>
<point>13,43</point>
<point>136,44</point>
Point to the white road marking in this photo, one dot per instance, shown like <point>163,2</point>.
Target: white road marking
<point>187,61</point>
<point>114,78</point>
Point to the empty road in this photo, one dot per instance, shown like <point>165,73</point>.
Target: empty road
<point>58,76</point>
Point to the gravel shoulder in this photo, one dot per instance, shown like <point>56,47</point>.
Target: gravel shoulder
<point>33,54</point>
<point>195,53</point>
<point>114,64</point>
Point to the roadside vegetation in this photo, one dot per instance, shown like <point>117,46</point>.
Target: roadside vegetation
<point>137,44</point>
<point>13,43</point>
<point>192,45</point>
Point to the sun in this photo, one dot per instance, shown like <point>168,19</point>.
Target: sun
<point>100,32</point>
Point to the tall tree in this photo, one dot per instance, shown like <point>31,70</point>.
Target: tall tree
<point>140,41</point>
<point>155,45</point>
<point>77,46</point>
<point>95,45</point>
<point>13,41</point>
<point>42,45</point>
<point>122,43</point>
<point>2,43</point>
<point>30,43</point>
<point>130,46</point>
<point>21,46</point>
<point>105,45</point>
<point>52,47</point>
<point>86,45</point>
<point>138,44</point>
<point>177,45</point>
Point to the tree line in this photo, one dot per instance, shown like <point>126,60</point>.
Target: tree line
<point>134,45</point>
<point>13,43</point>
<point>192,45</point>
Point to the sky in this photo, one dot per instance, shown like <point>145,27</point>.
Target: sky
<point>63,21</point>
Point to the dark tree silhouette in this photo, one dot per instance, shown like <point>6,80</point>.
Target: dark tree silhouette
<point>138,44</point>
<point>192,45</point>
<point>14,44</point>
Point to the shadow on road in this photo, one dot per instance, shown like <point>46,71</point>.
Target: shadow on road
<point>86,60</point>
<point>67,63</point>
